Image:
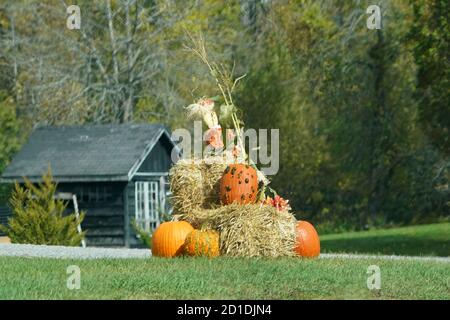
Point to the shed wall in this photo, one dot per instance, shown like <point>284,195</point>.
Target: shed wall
<point>105,219</point>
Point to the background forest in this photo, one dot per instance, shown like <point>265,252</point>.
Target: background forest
<point>364,115</point>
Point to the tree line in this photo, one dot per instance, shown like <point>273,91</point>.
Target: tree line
<point>363,114</point>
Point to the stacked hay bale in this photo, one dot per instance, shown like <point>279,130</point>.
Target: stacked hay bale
<point>194,184</point>
<point>248,230</point>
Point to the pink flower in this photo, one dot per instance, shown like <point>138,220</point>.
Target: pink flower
<point>236,151</point>
<point>206,102</point>
<point>278,202</point>
<point>214,137</point>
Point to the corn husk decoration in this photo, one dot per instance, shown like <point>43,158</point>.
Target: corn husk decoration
<point>228,112</point>
<point>204,109</point>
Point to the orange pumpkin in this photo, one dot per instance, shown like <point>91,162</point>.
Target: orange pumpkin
<point>239,183</point>
<point>202,243</point>
<point>307,242</point>
<point>169,237</point>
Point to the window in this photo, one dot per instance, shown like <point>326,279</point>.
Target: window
<point>92,193</point>
<point>147,205</point>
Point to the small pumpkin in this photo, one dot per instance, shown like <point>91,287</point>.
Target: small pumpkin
<point>307,241</point>
<point>239,183</point>
<point>169,237</point>
<point>202,243</point>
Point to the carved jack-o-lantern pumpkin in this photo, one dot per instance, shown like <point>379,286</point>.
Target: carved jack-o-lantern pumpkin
<point>239,183</point>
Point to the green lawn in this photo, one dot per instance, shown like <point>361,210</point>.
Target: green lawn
<point>198,278</point>
<point>430,240</point>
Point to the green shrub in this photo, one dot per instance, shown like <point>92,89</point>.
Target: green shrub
<point>38,217</point>
<point>144,236</point>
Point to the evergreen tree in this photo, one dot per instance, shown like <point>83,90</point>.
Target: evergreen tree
<point>39,218</point>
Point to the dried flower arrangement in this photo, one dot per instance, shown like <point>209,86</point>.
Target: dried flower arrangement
<point>204,109</point>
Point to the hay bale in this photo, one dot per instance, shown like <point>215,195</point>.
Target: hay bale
<point>186,187</point>
<point>250,230</point>
<point>211,174</point>
<point>194,184</point>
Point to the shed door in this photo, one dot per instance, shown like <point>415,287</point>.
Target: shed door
<point>147,205</point>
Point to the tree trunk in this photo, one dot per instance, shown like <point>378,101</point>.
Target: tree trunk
<point>378,134</point>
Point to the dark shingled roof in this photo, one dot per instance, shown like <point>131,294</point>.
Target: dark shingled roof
<point>84,153</point>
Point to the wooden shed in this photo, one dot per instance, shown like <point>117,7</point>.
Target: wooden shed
<point>118,173</point>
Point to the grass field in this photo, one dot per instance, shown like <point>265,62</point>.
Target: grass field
<point>223,278</point>
<point>421,240</point>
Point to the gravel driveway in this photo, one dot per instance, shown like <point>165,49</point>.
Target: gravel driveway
<point>61,252</point>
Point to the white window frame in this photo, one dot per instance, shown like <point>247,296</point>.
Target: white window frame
<point>147,205</point>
